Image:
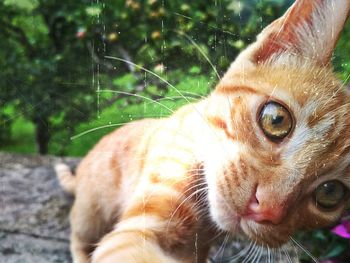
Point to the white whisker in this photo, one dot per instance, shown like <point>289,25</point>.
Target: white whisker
<point>304,249</point>
<point>200,50</point>
<point>287,256</point>
<point>222,247</point>
<point>241,253</point>
<point>151,72</point>
<point>138,96</point>
<point>97,128</point>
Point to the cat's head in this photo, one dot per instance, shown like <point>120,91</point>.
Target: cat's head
<point>279,159</point>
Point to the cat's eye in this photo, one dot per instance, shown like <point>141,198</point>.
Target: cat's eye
<point>330,194</point>
<point>275,121</point>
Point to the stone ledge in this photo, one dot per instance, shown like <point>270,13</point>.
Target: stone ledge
<point>33,210</point>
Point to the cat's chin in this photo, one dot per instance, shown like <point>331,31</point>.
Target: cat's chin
<point>263,234</point>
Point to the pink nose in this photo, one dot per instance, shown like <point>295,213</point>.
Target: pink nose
<point>264,212</point>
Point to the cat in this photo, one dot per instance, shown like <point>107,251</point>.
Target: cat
<point>267,153</point>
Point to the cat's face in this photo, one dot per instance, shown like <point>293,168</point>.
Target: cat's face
<point>279,159</point>
<point>281,134</point>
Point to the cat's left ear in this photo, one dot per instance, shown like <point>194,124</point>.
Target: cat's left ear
<point>309,30</point>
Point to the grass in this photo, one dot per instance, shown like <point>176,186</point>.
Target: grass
<point>22,137</point>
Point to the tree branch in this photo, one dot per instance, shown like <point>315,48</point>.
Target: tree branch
<point>125,55</point>
<point>96,58</point>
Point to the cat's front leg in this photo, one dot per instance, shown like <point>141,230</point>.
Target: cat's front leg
<point>134,246</point>
<point>159,226</point>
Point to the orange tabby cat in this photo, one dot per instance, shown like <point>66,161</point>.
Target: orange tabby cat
<point>266,154</point>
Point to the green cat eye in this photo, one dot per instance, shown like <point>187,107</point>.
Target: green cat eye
<point>330,194</point>
<point>275,121</point>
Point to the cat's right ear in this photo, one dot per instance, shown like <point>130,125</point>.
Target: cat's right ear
<point>308,30</point>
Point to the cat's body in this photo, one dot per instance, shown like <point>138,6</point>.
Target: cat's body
<point>123,167</point>
<point>257,156</point>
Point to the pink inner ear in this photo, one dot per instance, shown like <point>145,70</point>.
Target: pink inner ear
<point>282,32</point>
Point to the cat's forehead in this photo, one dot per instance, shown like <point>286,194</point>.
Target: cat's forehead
<point>317,100</point>
<point>308,90</point>
<point>302,83</point>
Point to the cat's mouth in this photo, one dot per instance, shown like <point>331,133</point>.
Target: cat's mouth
<point>265,234</point>
<point>272,233</point>
<point>266,227</point>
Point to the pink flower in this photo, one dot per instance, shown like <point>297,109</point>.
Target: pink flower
<point>343,229</point>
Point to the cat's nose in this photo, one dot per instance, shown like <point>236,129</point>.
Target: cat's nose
<point>264,211</point>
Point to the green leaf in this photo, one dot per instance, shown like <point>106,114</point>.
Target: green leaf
<point>27,5</point>
<point>195,70</point>
<point>93,10</point>
<point>320,235</point>
<point>126,82</point>
<point>236,6</point>
<point>337,250</point>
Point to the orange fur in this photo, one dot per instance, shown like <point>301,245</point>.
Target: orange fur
<point>157,190</point>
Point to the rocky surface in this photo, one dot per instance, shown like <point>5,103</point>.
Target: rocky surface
<point>34,215</point>
<point>33,210</point>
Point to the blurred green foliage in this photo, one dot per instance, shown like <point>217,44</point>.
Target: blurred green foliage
<point>54,63</point>
<point>53,55</point>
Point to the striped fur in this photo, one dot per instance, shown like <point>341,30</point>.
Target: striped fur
<point>159,190</point>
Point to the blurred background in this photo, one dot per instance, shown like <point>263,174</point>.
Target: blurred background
<point>72,71</point>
